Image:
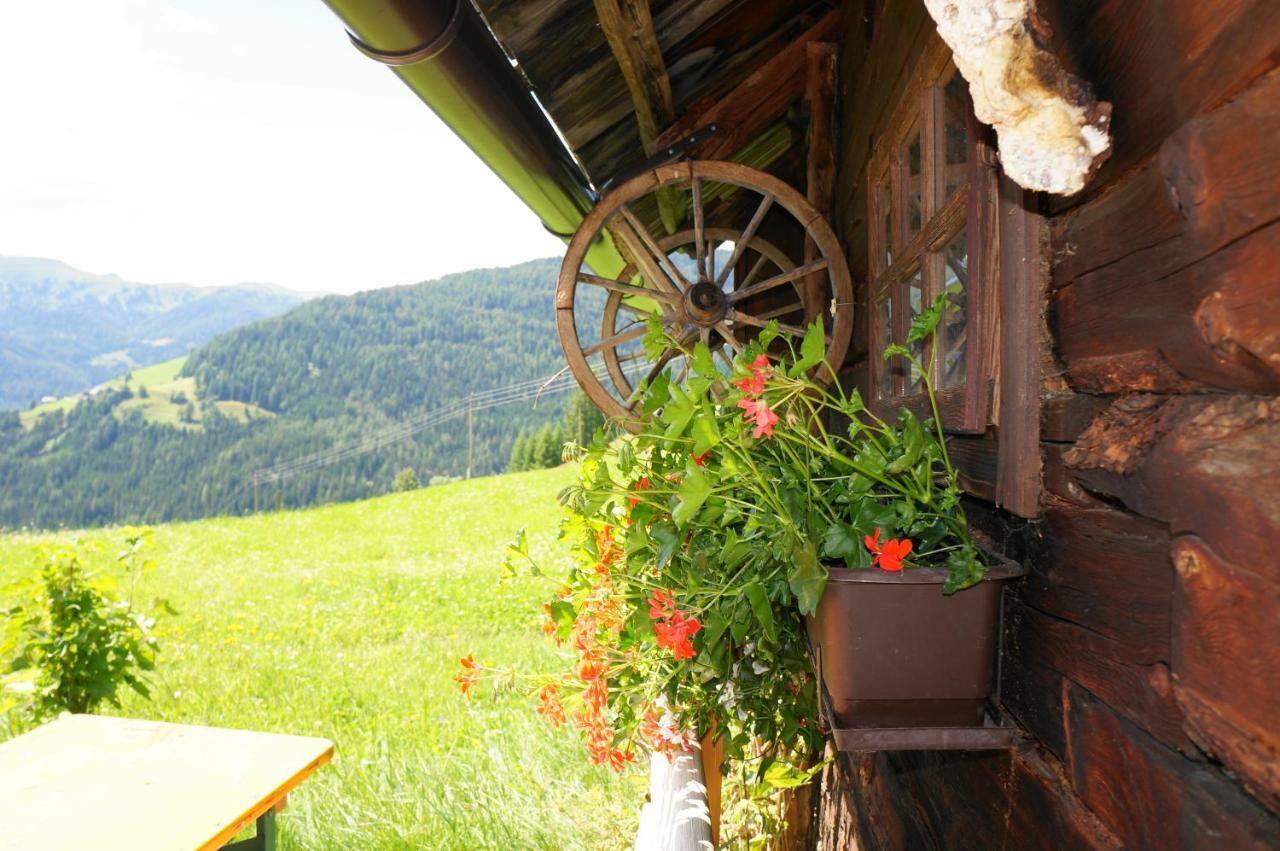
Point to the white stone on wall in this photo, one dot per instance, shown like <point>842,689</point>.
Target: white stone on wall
<point>1051,130</point>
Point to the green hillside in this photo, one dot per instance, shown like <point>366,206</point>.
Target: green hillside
<point>347,622</point>
<point>329,372</point>
<point>63,330</point>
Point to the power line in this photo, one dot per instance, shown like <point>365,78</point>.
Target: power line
<point>523,391</point>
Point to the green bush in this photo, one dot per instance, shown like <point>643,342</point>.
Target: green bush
<point>406,480</point>
<point>76,644</point>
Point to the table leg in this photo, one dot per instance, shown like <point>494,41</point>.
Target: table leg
<point>265,838</point>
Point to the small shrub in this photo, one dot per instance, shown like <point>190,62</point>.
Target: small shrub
<point>405,480</point>
<point>76,644</point>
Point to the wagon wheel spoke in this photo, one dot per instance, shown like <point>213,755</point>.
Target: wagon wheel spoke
<point>628,289</point>
<point>774,313</point>
<point>728,337</point>
<point>748,233</point>
<point>777,281</point>
<point>751,276</point>
<point>654,250</point>
<point>699,240</point>
<point>612,342</point>
<point>647,266</point>
<point>748,319</point>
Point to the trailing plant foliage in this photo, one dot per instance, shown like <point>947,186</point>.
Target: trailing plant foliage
<point>699,545</point>
<point>76,644</point>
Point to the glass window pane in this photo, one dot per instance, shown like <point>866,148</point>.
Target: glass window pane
<point>956,141</point>
<point>885,208</point>
<point>883,368</point>
<point>915,294</point>
<point>912,169</point>
<point>954,333</point>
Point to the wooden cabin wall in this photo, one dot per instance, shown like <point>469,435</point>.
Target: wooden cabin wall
<point>1143,651</point>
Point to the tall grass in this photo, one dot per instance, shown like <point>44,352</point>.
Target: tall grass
<point>347,622</point>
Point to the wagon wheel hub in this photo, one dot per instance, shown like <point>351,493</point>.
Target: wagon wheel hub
<point>705,304</point>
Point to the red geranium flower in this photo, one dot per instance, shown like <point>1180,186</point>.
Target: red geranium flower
<point>759,412</point>
<point>641,485</point>
<point>661,605</point>
<point>675,634</point>
<point>753,385</point>
<point>888,556</point>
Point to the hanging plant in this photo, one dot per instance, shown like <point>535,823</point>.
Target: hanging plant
<point>699,545</point>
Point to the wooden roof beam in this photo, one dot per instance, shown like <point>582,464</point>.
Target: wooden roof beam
<point>628,27</point>
<point>757,100</point>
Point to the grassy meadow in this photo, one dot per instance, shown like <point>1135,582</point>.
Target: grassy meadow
<point>347,622</point>
<point>167,395</point>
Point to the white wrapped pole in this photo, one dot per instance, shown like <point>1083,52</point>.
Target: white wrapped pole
<point>676,817</point>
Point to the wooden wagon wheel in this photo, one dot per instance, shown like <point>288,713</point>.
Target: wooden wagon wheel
<point>698,286</point>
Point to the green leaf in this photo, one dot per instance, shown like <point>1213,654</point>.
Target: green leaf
<point>759,599</point>
<point>563,614</point>
<point>703,364</point>
<point>893,349</point>
<point>678,411</point>
<point>924,323</point>
<point>808,578</point>
<point>872,515</point>
<point>705,431</point>
<point>657,394</point>
<point>518,556</point>
<point>767,335</point>
<point>840,542</point>
<point>668,538</point>
<point>693,491</point>
<point>781,775</point>
<point>812,349</point>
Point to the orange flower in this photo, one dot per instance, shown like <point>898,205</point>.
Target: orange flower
<point>565,592</point>
<point>549,705</point>
<point>887,556</point>
<point>469,675</point>
<point>701,460</point>
<point>618,759</point>
<point>642,485</point>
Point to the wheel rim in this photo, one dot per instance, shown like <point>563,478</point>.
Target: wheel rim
<point>689,283</point>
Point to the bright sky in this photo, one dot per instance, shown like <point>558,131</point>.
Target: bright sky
<point>221,141</point>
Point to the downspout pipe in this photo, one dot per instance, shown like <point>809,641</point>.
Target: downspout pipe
<point>444,51</point>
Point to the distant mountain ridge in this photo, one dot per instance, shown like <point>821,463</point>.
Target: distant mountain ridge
<point>330,372</point>
<point>63,330</point>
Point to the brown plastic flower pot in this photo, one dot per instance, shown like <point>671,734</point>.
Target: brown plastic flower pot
<point>894,651</point>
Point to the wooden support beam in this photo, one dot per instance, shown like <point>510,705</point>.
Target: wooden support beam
<point>750,107</point>
<point>628,27</point>
<point>820,172</point>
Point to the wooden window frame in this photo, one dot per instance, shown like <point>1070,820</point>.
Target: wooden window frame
<point>966,408</point>
<point>994,416</point>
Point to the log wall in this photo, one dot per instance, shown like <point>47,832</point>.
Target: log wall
<point>1143,650</point>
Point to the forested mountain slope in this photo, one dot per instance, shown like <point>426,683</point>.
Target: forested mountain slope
<point>63,330</point>
<point>332,370</point>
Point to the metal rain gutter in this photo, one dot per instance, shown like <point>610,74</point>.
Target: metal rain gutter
<point>444,51</point>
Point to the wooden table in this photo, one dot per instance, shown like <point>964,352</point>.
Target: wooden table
<point>93,782</point>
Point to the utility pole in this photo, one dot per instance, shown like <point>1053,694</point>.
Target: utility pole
<point>470,435</point>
